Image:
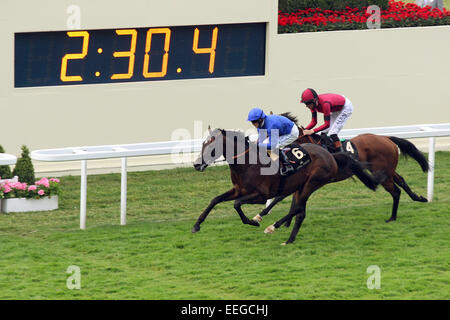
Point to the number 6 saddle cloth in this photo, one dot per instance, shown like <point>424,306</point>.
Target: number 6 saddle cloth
<point>296,155</point>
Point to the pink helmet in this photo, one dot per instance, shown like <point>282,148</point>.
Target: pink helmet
<point>309,95</point>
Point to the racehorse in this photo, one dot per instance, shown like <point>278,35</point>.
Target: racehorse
<point>252,187</point>
<point>381,154</point>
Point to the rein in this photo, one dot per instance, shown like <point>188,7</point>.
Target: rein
<point>309,138</point>
<point>241,154</point>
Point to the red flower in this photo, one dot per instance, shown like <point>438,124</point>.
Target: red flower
<point>397,11</point>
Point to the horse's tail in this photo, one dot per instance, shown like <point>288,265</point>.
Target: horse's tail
<point>409,149</point>
<point>346,162</point>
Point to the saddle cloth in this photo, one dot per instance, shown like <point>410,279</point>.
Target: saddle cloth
<point>297,156</point>
<point>350,148</point>
<point>347,145</point>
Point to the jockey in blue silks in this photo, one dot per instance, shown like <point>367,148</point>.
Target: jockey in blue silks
<point>266,124</point>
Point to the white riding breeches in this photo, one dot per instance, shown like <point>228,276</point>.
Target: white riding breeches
<point>287,139</point>
<point>339,118</point>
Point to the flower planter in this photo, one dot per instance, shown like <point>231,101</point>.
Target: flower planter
<point>27,205</point>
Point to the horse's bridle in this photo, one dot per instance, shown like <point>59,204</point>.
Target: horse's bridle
<point>309,136</point>
<point>241,154</point>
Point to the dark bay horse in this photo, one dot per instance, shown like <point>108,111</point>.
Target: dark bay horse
<point>252,187</point>
<point>381,154</point>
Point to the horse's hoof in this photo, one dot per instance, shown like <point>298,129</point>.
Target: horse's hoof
<point>195,229</point>
<point>422,199</point>
<point>270,229</point>
<point>284,243</point>
<point>257,218</point>
<point>387,221</point>
<point>254,223</point>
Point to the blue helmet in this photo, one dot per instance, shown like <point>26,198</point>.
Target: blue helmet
<point>256,114</point>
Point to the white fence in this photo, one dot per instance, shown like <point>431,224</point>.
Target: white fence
<point>7,159</point>
<point>83,154</point>
<point>113,151</point>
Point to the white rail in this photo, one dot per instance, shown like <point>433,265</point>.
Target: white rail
<point>113,151</point>
<point>188,146</point>
<point>7,159</point>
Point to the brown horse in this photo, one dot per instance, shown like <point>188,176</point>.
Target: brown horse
<point>381,154</point>
<point>247,161</point>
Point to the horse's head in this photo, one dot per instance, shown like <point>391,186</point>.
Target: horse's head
<point>212,149</point>
<point>313,138</point>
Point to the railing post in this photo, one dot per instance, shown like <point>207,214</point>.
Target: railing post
<point>83,194</point>
<point>431,154</point>
<point>123,193</point>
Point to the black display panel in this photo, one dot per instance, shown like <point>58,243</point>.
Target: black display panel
<point>139,54</point>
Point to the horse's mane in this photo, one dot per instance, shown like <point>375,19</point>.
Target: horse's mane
<point>294,119</point>
<point>291,117</point>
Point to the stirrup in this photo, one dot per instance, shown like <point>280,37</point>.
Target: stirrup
<point>339,148</point>
<point>285,169</point>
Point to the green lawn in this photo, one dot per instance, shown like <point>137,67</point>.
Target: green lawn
<point>155,256</point>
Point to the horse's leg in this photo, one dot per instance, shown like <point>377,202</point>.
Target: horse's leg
<point>267,209</point>
<point>289,216</point>
<point>247,199</point>
<point>298,223</point>
<point>300,212</point>
<point>288,221</point>
<point>227,196</point>
<point>398,179</point>
<point>297,209</point>
<point>395,191</point>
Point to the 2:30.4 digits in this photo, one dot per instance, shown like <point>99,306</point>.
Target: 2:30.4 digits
<point>130,54</point>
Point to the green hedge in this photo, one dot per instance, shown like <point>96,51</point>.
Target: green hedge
<point>5,171</point>
<point>24,167</point>
<point>294,5</point>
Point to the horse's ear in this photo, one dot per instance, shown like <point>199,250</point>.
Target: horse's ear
<point>271,112</point>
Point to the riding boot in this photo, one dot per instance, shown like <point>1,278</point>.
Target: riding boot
<point>324,139</point>
<point>326,142</point>
<point>336,143</point>
<point>286,166</point>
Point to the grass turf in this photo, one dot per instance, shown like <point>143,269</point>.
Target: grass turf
<point>155,256</point>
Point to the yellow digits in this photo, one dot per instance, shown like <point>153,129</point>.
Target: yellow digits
<point>69,56</point>
<point>129,54</point>
<point>211,50</point>
<point>148,45</point>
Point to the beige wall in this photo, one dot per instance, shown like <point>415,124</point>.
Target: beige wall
<point>392,76</point>
<point>52,117</point>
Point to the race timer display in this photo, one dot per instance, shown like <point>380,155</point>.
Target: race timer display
<point>79,57</point>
